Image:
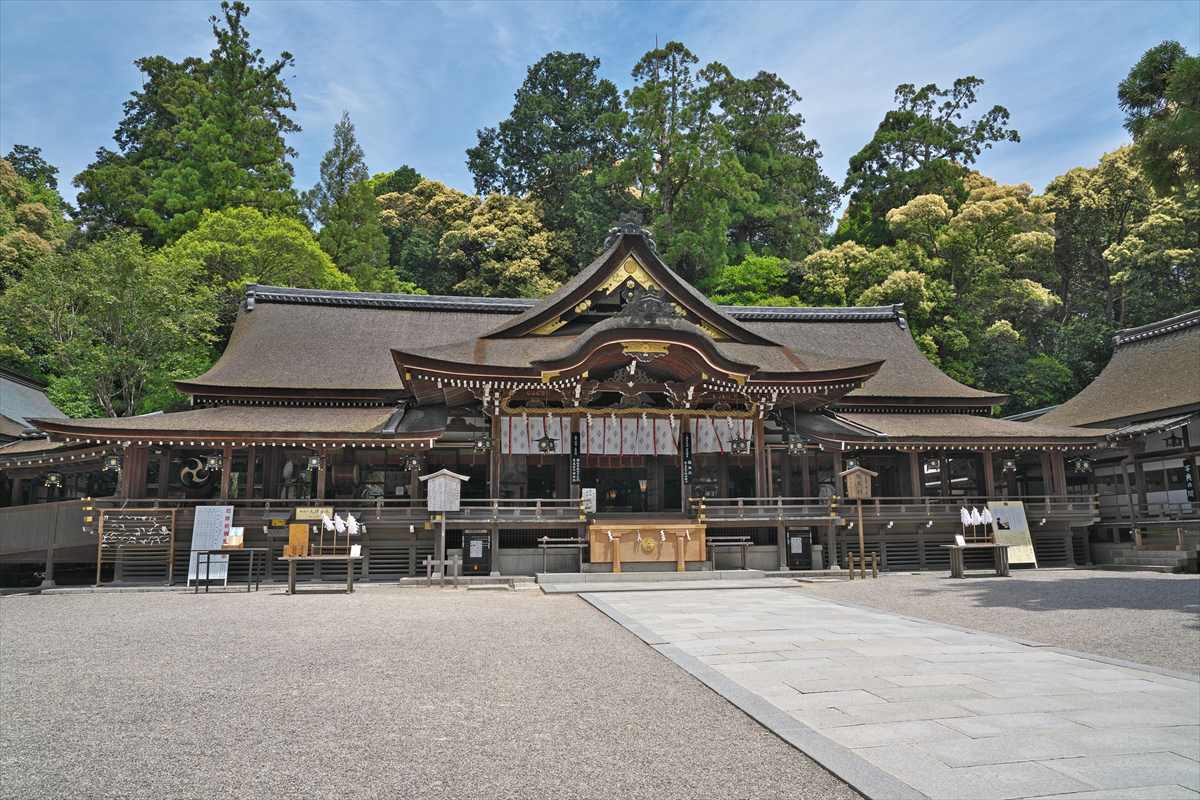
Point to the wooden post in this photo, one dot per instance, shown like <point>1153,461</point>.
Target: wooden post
<point>251,469</point>
<point>1058,467</point>
<point>989,475</point>
<point>680,554</point>
<point>762,481</point>
<point>616,552</point>
<point>226,471</point>
<point>494,458</point>
<point>805,475</point>
<point>862,547</point>
<point>914,473</point>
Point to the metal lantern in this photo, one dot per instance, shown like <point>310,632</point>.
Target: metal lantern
<point>1081,464</point>
<point>213,462</point>
<point>112,463</point>
<point>483,444</point>
<point>796,444</point>
<point>934,464</point>
<point>740,445</point>
<point>547,444</point>
<point>412,463</point>
<point>1173,441</point>
<point>314,462</point>
<point>1010,465</point>
<point>53,480</point>
<point>851,463</point>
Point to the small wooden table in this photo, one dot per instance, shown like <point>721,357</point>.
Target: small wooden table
<point>251,576</point>
<point>291,562</point>
<point>999,555</point>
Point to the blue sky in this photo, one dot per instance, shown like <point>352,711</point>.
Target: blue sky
<point>419,79</point>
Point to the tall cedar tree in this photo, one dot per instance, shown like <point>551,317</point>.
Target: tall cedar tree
<point>564,127</point>
<point>1161,101</point>
<point>920,147</point>
<point>679,164</point>
<point>342,205</point>
<point>199,135</point>
<point>793,205</point>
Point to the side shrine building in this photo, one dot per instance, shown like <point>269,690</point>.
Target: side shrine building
<point>622,406</point>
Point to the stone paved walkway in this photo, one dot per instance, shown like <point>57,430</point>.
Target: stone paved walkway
<point>900,707</point>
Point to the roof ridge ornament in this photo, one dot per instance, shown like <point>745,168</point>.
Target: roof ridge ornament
<point>629,229</point>
<point>646,308</point>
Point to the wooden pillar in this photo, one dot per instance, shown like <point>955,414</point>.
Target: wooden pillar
<point>494,458</point>
<point>989,475</point>
<point>806,475</point>
<point>762,482</point>
<point>137,464</point>
<point>1059,469</point>
<point>321,470</point>
<point>226,470</point>
<point>18,485</point>
<point>616,552</point>
<point>1139,474</point>
<point>164,472</point>
<point>680,554</point>
<point>1129,497</point>
<point>251,470</point>
<point>914,473</point>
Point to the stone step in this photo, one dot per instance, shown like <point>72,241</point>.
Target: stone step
<point>1136,568</point>
<point>649,576</point>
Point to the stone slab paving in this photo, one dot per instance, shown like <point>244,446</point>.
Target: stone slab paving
<point>900,707</point>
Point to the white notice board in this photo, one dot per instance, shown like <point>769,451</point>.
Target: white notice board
<point>1009,526</point>
<point>209,529</point>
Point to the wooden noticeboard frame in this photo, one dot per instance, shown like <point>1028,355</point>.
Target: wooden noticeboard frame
<point>143,528</point>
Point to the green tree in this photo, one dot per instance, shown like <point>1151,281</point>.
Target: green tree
<point>31,223</point>
<point>793,204</point>
<point>416,221</point>
<point>681,166</point>
<point>920,147</point>
<point>200,135</point>
<point>115,325</point>
<point>238,246</point>
<point>504,250</point>
<point>29,164</point>
<point>342,205</point>
<point>1161,101</point>
<point>754,281</point>
<point>564,128</point>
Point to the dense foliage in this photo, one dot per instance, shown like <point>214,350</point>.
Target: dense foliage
<point>1004,288</point>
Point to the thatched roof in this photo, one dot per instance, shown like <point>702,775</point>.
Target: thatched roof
<point>1154,372</point>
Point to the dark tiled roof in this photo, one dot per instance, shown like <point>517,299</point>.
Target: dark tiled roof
<point>1154,371</point>
<point>22,400</point>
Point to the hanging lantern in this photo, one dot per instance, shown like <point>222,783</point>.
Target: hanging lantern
<point>796,444</point>
<point>483,444</point>
<point>412,463</point>
<point>1081,464</point>
<point>112,463</point>
<point>851,463</point>
<point>314,462</point>
<point>1173,441</point>
<point>53,480</point>
<point>1010,465</point>
<point>546,444</point>
<point>213,463</point>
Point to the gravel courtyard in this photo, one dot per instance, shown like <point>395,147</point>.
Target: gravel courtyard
<point>1144,617</point>
<point>385,693</point>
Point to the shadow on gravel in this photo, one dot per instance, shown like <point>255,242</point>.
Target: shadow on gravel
<point>1081,593</point>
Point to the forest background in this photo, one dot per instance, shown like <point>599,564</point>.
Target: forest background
<point>135,283</point>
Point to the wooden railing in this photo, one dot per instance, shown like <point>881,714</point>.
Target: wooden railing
<point>1153,511</point>
<point>390,509</point>
<point>891,509</point>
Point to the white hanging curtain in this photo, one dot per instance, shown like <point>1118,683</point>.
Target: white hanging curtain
<point>716,434</point>
<point>519,435</point>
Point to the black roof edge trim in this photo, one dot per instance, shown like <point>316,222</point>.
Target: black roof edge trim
<point>513,305</point>
<point>1159,328</point>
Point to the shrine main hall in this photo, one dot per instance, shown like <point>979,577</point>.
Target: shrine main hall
<point>624,412</point>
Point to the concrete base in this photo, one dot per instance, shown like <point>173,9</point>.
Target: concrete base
<point>655,577</point>
<point>666,586</point>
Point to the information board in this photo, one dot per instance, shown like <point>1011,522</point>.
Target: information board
<point>1009,526</point>
<point>210,526</point>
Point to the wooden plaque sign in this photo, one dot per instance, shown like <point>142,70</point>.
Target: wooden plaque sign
<point>143,532</point>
